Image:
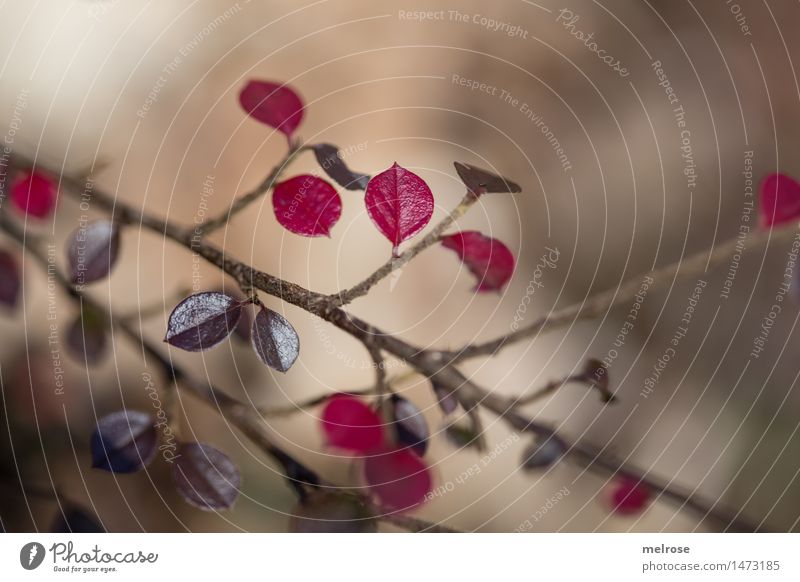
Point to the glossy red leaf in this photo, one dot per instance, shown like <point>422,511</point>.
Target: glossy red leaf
<point>330,160</point>
<point>329,512</point>
<point>202,321</point>
<point>34,194</point>
<point>307,205</point>
<point>629,496</point>
<point>92,251</point>
<point>274,104</point>
<point>274,340</point>
<point>400,204</point>
<point>349,424</point>
<point>479,181</point>
<point>10,280</point>
<point>206,477</point>
<point>487,258</point>
<point>779,200</point>
<point>124,442</point>
<point>398,478</point>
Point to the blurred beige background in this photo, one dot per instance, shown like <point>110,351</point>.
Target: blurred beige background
<point>149,91</point>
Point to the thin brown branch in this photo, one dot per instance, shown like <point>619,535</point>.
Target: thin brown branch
<point>435,365</point>
<point>596,305</point>
<point>434,236</point>
<point>243,202</point>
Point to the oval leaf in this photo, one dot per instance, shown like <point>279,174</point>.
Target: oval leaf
<point>328,512</point>
<point>34,194</point>
<point>542,454</point>
<point>274,104</point>
<point>487,258</point>
<point>10,281</point>
<point>274,340</point>
<point>629,496</point>
<point>93,251</point>
<point>206,477</point>
<point>202,321</point>
<point>780,200</point>
<point>399,203</point>
<point>331,161</point>
<point>307,205</point>
<point>86,336</point>
<point>410,426</point>
<point>480,181</point>
<point>76,520</point>
<point>351,425</point>
<point>124,442</point>
<point>398,478</point>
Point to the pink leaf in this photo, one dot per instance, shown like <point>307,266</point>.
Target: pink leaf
<point>350,424</point>
<point>307,205</point>
<point>487,258</point>
<point>629,496</point>
<point>399,203</point>
<point>398,478</point>
<point>780,200</point>
<point>34,194</point>
<point>274,104</point>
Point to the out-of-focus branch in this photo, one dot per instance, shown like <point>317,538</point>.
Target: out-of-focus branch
<point>596,305</point>
<point>243,202</point>
<point>434,236</point>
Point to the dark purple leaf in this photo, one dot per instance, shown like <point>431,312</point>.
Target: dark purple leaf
<point>329,512</point>
<point>9,279</point>
<point>202,321</point>
<point>487,258</point>
<point>447,398</point>
<point>93,251</point>
<point>76,520</point>
<point>400,204</point>
<point>307,205</point>
<point>409,425</point>
<point>479,181</point>
<point>332,163</point>
<point>124,442</point>
<point>274,340</point>
<point>274,104</point>
<point>86,336</point>
<point>543,453</point>
<point>206,477</point>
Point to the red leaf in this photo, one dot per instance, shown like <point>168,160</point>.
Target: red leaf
<point>398,478</point>
<point>307,205</point>
<point>274,104</point>
<point>780,200</point>
<point>350,424</point>
<point>487,258</point>
<point>629,496</point>
<point>399,203</point>
<point>34,194</point>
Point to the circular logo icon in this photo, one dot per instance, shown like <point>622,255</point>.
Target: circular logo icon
<point>31,555</point>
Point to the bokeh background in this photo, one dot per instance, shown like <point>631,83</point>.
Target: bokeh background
<point>146,92</point>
